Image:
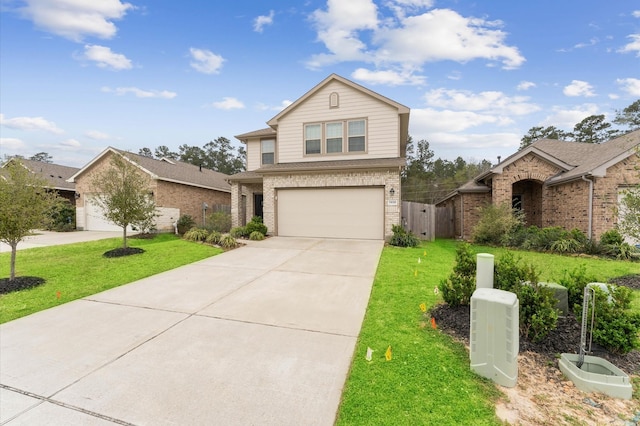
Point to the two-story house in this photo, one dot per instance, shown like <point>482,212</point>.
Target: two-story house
<point>327,166</point>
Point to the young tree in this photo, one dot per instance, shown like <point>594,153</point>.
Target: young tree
<point>629,211</point>
<point>123,193</point>
<point>24,201</point>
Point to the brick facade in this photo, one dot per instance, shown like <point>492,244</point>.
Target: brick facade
<point>386,179</point>
<point>171,198</point>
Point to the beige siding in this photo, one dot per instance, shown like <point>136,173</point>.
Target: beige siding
<point>253,154</point>
<point>383,125</point>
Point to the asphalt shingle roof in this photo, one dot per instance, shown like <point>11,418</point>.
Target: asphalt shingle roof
<point>55,174</point>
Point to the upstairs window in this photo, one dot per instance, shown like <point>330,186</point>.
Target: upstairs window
<point>357,131</point>
<point>333,134</point>
<point>312,139</point>
<point>268,148</point>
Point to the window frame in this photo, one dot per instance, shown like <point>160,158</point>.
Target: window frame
<point>263,152</point>
<point>344,140</point>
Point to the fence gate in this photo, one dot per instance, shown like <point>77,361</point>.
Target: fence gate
<point>419,219</point>
<point>445,226</point>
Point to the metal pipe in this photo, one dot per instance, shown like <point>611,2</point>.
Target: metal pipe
<point>590,232</point>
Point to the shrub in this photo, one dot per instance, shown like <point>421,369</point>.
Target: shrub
<point>184,223</point>
<point>61,217</point>
<point>256,236</point>
<point>214,238</point>
<point>219,222</point>
<point>238,232</point>
<point>568,245</point>
<point>616,327</point>
<point>575,281</point>
<point>228,242</point>
<point>621,251</point>
<point>538,315</point>
<point>459,286</point>
<point>196,234</point>
<point>402,238</point>
<point>495,224</point>
<point>508,272</point>
<point>611,237</point>
<point>256,225</point>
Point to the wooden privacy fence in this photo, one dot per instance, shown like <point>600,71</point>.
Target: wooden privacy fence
<point>427,221</point>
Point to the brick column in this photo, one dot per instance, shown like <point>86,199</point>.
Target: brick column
<point>236,204</point>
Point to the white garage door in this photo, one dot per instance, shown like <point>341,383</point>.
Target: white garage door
<point>331,213</point>
<point>95,220</point>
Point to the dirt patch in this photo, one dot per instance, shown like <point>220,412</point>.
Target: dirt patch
<point>543,395</point>
<point>19,283</point>
<point>631,281</point>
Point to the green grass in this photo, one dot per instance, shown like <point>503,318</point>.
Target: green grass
<point>428,381</point>
<point>78,270</point>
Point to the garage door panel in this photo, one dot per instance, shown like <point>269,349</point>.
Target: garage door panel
<point>331,213</point>
<point>95,220</point>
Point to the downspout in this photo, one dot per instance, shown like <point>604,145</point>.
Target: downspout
<point>590,233</point>
<point>461,217</point>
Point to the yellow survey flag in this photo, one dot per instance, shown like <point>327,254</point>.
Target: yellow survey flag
<point>423,307</point>
<point>387,354</point>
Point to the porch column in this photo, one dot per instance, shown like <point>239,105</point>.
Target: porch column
<point>236,204</point>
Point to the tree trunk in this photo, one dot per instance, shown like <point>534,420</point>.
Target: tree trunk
<point>124,236</point>
<point>14,249</point>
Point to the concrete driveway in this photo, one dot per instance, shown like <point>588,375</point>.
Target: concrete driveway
<point>261,335</point>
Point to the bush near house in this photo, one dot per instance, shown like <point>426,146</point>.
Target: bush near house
<point>402,238</point>
<point>256,225</point>
<point>219,221</point>
<point>184,223</point>
<point>61,217</point>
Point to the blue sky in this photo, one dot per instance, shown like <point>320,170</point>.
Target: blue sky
<point>77,76</point>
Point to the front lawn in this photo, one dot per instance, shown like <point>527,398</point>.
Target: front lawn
<point>428,379</point>
<point>78,270</point>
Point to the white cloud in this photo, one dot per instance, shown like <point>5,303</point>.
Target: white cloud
<point>443,34</point>
<point>261,21</point>
<point>205,61</point>
<point>630,85</point>
<point>633,46</point>
<point>76,19</point>
<point>70,144</point>
<point>12,144</point>
<point>263,107</point>
<point>105,58</point>
<point>97,135</point>
<point>489,101</point>
<point>454,121</point>
<point>579,88</point>
<point>338,29</point>
<point>228,103</point>
<point>351,31</point>
<point>636,13</point>
<point>525,85</point>
<point>30,123</point>
<point>388,77</point>
<point>139,93</point>
<point>567,118</point>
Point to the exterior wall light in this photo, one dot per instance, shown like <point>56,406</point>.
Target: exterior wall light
<point>392,192</point>
<point>76,195</point>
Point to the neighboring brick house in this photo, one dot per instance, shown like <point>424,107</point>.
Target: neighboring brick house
<point>178,189</point>
<point>554,183</point>
<point>328,165</point>
<point>55,175</point>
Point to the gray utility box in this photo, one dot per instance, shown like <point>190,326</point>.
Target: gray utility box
<point>495,339</point>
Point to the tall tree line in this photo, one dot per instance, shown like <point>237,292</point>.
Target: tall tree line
<point>218,155</point>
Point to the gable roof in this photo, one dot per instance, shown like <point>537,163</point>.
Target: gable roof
<point>56,175</point>
<point>575,159</point>
<point>257,134</point>
<point>168,170</point>
<point>335,77</point>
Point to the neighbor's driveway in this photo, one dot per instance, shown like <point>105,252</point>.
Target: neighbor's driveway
<point>263,335</point>
<point>49,238</point>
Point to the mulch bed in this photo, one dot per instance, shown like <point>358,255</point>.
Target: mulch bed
<point>455,321</point>
<point>123,251</point>
<point>19,283</point>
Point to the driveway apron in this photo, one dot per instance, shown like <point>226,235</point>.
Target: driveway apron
<point>263,334</point>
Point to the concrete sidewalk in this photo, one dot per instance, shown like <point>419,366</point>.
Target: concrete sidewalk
<point>48,238</point>
<point>263,334</point>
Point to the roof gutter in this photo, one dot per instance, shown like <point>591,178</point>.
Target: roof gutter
<point>590,233</point>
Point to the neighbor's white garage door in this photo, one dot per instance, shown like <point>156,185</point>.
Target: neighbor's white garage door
<point>95,220</point>
<point>331,213</point>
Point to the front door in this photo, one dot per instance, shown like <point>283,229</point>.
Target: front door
<point>257,204</point>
